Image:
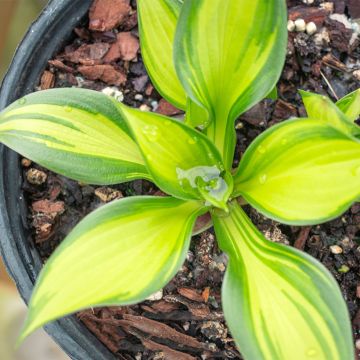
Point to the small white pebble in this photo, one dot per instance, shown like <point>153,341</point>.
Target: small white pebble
<point>239,125</point>
<point>157,296</point>
<point>357,344</point>
<point>291,26</point>
<point>113,92</point>
<point>328,6</point>
<point>154,104</point>
<point>138,97</point>
<point>109,91</point>
<point>311,28</point>
<point>356,74</point>
<point>119,96</point>
<point>308,2</point>
<point>300,25</point>
<point>336,249</point>
<point>144,107</point>
<point>80,81</point>
<point>322,38</point>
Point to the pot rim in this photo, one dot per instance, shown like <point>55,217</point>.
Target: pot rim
<point>45,36</point>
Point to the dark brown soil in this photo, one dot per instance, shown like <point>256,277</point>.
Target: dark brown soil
<point>185,321</point>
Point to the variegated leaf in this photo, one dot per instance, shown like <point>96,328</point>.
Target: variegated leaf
<point>300,172</point>
<point>279,303</point>
<point>320,107</point>
<point>118,255</point>
<point>229,56</point>
<point>77,133</point>
<point>182,161</point>
<point>157,22</point>
<point>350,105</point>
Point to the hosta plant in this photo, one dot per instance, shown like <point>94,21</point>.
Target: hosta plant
<point>214,60</point>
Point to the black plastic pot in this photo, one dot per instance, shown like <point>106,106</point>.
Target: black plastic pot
<point>43,39</point>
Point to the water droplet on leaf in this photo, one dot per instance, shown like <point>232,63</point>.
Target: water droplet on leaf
<point>311,353</point>
<point>68,108</point>
<point>193,140</point>
<point>151,132</point>
<point>263,178</point>
<point>22,101</point>
<point>261,149</point>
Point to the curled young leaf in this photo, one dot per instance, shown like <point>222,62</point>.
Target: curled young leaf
<point>350,105</point>
<point>118,255</point>
<point>300,172</point>
<point>182,161</point>
<point>279,303</point>
<point>157,24</point>
<point>229,56</point>
<point>75,132</point>
<point>320,107</point>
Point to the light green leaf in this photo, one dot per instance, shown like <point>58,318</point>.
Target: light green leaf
<point>157,23</point>
<point>320,107</point>
<point>279,303</point>
<point>118,255</point>
<point>299,172</point>
<point>229,56</point>
<point>196,116</point>
<point>77,133</point>
<point>273,94</point>
<point>350,105</point>
<point>182,161</point>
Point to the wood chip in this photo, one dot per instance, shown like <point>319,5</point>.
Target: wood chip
<point>107,194</point>
<point>165,108</point>
<point>88,54</point>
<point>205,294</point>
<point>162,331</point>
<point>354,8</point>
<point>202,221</point>
<point>125,48</point>
<point>104,338</point>
<point>331,61</point>
<point>302,238</point>
<point>48,207</point>
<point>164,306</point>
<point>256,115</point>
<point>308,14</point>
<point>191,294</point>
<point>106,73</point>
<point>168,353</point>
<point>108,14</point>
<point>283,110</point>
<point>61,66</point>
<point>47,80</point>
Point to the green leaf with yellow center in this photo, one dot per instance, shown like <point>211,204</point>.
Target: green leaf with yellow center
<point>350,105</point>
<point>229,56</point>
<point>301,172</point>
<point>74,132</point>
<point>278,302</point>
<point>320,107</point>
<point>118,255</point>
<point>157,24</point>
<point>182,161</point>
